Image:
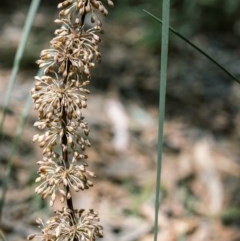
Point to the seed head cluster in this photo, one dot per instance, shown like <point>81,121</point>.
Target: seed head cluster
<point>60,95</point>
<point>60,227</point>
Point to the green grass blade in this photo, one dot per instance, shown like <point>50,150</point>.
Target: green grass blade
<point>14,148</point>
<point>26,30</point>
<point>3,238</point>
<point>162,100</point>
<point>196,48</point>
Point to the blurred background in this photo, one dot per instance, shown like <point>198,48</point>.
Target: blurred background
<point>201,171</point>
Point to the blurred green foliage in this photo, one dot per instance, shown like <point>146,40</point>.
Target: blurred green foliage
<point>187,16</point>
<point>202,15</point>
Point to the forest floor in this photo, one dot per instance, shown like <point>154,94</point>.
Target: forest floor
<point>200,178</point>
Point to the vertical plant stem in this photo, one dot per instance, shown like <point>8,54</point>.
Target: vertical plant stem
<point>14,148</point>
<point>3,238</point>
<point>64,147</point>
<point>26,30</point>
<point>65,157</point>
<point>59,96</point>
<point>162,98</point>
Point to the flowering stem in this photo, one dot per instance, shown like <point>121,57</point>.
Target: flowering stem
<point>59,96</point>
<point>64,147</point>
<point>65,157</point>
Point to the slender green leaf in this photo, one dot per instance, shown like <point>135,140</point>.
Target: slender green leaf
<point>2,237</point>
<point>26,30</point>
<point>162,100</point>
<point>196,48</point>
<point>14,148</point>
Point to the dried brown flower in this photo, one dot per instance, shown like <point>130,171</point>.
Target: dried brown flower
<point>82,7</point>
<point>55,176</point>
<point>75,131</point>
<point>68,225</point>
<point>50,95</point>
<point>59,97</point>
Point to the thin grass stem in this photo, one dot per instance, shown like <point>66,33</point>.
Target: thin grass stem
<point>17,59</point>
<point>162,100</point>
<point>2,237</point>
<point>26,30</point>
<point>196,48</point>
<point>14,149</point>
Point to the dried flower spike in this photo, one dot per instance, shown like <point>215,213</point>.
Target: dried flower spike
<point>59,96</point>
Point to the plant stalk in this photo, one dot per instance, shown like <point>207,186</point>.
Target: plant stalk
<point>162,100</point>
